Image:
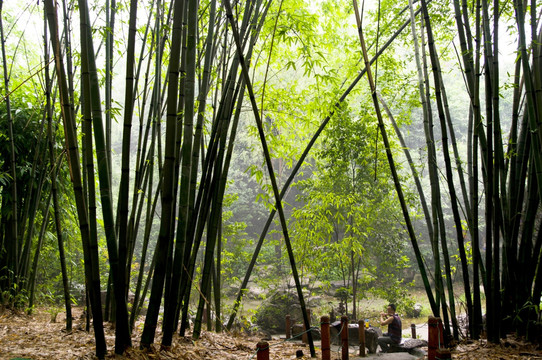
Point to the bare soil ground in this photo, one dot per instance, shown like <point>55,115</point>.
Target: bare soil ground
<point>37,337</point>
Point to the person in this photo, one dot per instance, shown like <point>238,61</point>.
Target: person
<point>393,336</point>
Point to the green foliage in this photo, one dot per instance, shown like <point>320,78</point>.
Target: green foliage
<point>26,98</point>
<point>13,297</point>
<point>271,313</point>
<point>395,291</point>
<point>343,294</point>
<point>347,224</point>
<point>527,318</point>
<point>235,245</point>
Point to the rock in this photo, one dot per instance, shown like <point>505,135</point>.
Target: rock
<point>371,335</point>
<point>299,329</point>
<point>254,292</point>
<point>371,339</point>
<point>414,311</point>
<point>407,345</point>
<point>413,343</point>
<point>271,315</point>
<point>264,336</point>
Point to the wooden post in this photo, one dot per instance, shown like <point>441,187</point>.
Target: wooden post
<point>413,330</point>
<point>436,337</point>
<point>361,328</point>
<point>326,345</point>
<point>344,337</point>
<point>432,338</point>
<point>288,327</point>
<point>263,350</point>
<point>304,337</point>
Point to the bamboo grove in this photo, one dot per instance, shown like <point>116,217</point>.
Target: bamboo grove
<point>191,70</point>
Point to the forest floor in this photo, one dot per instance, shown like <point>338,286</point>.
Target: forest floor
<point>36,336</point>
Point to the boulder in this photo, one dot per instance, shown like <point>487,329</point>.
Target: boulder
<point>271,314</point>
<point>371,335</point>
<point>414,311</point>
<point>299,329</point>
<point>407,345</point>
<point>371,338</point>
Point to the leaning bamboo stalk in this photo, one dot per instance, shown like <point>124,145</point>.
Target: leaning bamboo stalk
<point>423,100</point>
<point>31,200</point>
<point>110,10</point>
<point>145,168</point>
<point>124,187</point>
<point>276,193</point>
<point>438,215</point>
<point>213,161</point>
<point>141,167</point>
<point>151,209</point>
<point>413,169</point>
<point>230,92</point>
<point>165,235</point>
<point>446,126</point>
<point>54,190</point>
<point>33,273</point>
<point>533,106</point>
<point>391,162</point>
<point>185,157</point>
<point>296,168</point>
<point>92,97</point>
<point>75,171</point>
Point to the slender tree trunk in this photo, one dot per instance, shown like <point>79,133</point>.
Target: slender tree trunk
<point>415,175</point>
<point>54,191</point>
<point>423,100</point>
<point>117,268</point>
<point>11,233</point>
<point>478,138</point>
<point>440,100</point>
<point>437,216</point>
<point>91,268</point>
<point>110,11</point>
<point>231,93</point>
<point>141,166</point>
<point>126,136</point>
<point>32,279</point>
<point>120,283</point>
<point>151,206</point>
<point>31,199</point>
<point>391,162</point>
<point>186,159</point>
<point>165,236</point>
<point>61,252</point>
<point>217,279</point>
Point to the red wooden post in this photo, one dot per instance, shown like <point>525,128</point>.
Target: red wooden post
<point>344,337</point>
<point>436,337</point>
<point>361,328</point>
<point>413,329</point>
<point>263,350</point>
<point>288,327</point>
<point>305,337</point>
<point>326,345</point>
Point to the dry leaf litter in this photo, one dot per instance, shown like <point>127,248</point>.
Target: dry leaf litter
<point>36,336</point>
